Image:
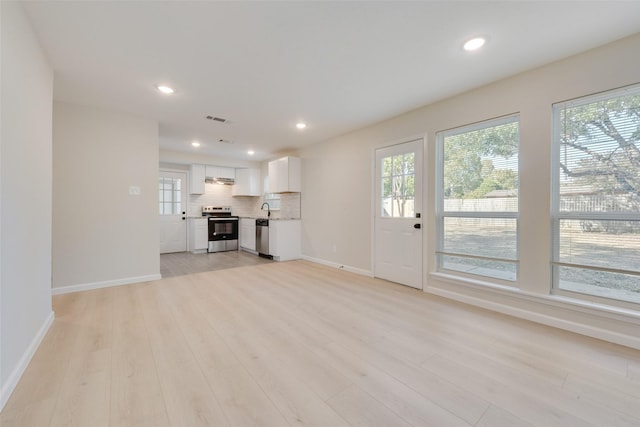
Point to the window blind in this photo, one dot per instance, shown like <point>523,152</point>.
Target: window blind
<point>596,229</point>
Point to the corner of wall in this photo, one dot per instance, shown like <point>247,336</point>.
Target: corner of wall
<point>25,195</point>
<point>12,379</point>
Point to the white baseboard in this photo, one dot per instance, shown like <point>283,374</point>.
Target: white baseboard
<point>557,322</point>
<point>339,266</point>
<point>105,284</point>
<point>16,374</point>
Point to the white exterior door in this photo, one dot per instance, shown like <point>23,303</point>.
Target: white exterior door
<point>398,214</point>
<point>172,198</point>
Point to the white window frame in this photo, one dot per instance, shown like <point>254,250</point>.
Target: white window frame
<point>557,215</point>
<point>441,214</point>
<point>273,199</point>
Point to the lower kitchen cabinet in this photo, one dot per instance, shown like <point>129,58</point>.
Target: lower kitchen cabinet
<point>198,234</point>
<point>284,239</point>
<point>247,234</point>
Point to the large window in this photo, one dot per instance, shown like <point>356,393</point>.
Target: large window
<point>477,213</point>
<point>596,197</point>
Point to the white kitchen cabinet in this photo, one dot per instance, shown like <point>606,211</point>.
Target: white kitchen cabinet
<point>220,172</point>
<point>198,234</point>
<point>247,183</point>
<point>284,239</point>
<point>196,179</point>
<point>247,234</point>
<point>284,175</point>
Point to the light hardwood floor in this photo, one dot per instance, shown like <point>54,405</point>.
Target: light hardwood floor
<point>297,343</point>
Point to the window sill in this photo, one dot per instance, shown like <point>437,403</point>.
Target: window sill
<point>559,301</point>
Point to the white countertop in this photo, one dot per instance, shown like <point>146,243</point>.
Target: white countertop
<point>252,217</point>
<point>270,218</point>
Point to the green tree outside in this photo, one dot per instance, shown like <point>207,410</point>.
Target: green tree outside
<point>470,161</point>
<point>398,183</point>
<point>605,137</point>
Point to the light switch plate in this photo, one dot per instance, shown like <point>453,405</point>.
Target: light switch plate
<point>134,190</point>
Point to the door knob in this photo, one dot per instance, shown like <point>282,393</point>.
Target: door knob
<point>417,226</point>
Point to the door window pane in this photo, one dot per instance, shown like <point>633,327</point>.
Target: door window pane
<point>170,196</point>
<point>398,186</point>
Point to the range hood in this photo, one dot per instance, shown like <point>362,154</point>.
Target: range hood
<point>219,180</point>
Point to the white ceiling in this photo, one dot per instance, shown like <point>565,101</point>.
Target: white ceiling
<point>337,66</point>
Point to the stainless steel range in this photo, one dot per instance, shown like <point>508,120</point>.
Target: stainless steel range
<point>223,228</point>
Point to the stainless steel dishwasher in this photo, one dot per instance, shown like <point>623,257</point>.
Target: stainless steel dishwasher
<point>262,238</point>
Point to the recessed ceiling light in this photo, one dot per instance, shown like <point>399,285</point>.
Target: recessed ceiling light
<point>301,125</point>
<point>195,144</point>
<point>251,152</point>
<point>474,44</point>
<point>165,89</point>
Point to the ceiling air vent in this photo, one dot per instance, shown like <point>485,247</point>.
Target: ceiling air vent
<point>217,119</point>
<point>225,141</point>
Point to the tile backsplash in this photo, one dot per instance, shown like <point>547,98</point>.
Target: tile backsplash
<point>215,195</point>
<point>243,206</point>
<point>250,207</point>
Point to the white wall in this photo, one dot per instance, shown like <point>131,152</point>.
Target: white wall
<point>337,185</point>
<point>336,199</point>
<point>25,196</point>
<point>102,235</point>
<point>195,157</point>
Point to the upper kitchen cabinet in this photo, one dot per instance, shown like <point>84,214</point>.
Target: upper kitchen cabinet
<point>247,183</point>
<point>284,175</point>
<point>220,174</point>
<point>196,179</point>
<point>199,174</point>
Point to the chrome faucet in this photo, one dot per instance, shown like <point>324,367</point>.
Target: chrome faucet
<point>268,208</point>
